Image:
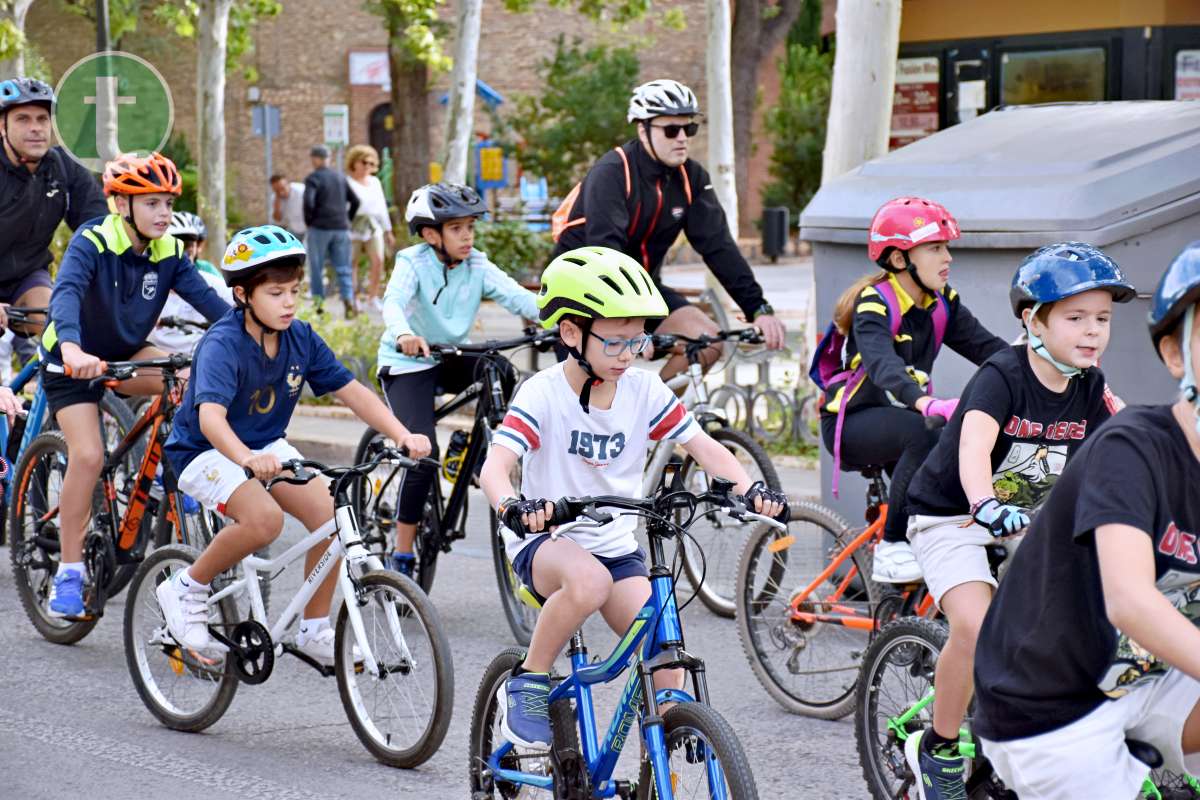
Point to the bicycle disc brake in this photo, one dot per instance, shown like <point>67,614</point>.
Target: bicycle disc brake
<point>254,656</point>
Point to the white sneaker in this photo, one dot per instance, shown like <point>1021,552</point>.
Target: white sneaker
<point>895,563</point>
<point>319,646</point>
<point>186,614</point>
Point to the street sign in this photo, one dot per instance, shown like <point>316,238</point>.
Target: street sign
<point>435,172</point>
<point>1187,75</point>
<point>337,125</point>
<point>272,118</point>
<point>489,166</point>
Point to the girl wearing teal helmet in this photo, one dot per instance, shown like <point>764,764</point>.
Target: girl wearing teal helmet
<point>247,376</point>
<point>582,427</point>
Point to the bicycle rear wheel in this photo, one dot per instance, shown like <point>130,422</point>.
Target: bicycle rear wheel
<point>705,757</point>
<point>402,714</point>
<point>804,638</point>
<point>710,557</point>
<point>184,690</point>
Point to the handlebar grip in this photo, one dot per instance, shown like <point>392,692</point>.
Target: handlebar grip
<point>562,512</point>
<point>935,422</point>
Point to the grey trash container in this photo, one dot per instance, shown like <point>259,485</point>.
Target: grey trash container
<point>1124,176</point>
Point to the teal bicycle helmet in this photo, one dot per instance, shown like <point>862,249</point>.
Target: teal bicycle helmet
<point>261,246</point>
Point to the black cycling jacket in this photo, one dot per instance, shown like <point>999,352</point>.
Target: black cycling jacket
<point>33,204</point>
<point>645,224</point>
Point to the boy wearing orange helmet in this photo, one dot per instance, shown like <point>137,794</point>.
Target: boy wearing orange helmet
<point>125,266</point>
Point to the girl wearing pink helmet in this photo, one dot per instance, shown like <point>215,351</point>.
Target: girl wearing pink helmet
<point>895,322</point>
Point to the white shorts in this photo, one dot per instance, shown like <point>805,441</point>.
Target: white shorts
<point>1089,758</point>
<point>211,478</point>
<point>953,551</point>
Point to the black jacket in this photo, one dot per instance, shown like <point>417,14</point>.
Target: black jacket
<point>329,202</point>
<point>33,204</point>
<point>645,224</point>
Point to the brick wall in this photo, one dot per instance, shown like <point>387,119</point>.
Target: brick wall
<point>302,58</point>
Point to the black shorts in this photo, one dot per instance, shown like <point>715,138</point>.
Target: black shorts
<point>675,301</point>
<point>62,391</point>
<point>11,291</point>
<point>630,565</point>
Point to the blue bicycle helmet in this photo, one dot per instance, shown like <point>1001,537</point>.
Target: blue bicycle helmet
<point>261,246</point>
<point>1178,290</point>
<point>1058,271</point>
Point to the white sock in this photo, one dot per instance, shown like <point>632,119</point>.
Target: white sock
<point>69,566</point>
<point>188,582</point>
<point>311,627</point>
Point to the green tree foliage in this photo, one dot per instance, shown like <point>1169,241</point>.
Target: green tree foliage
<point>181,16</point>
<point>579,116</point>
<point>415,25</point>
<point>797,127</point>
<point>513,247</point>
<point>620,12</point>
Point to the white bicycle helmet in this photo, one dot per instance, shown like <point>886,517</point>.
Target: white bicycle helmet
<point>662,98</point>
<point>186,225</point>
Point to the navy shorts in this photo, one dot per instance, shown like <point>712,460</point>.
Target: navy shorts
<point>630,565</point>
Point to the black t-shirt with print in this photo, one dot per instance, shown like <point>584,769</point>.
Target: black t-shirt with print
<point>1047,654</point>
<point>1039,430</point>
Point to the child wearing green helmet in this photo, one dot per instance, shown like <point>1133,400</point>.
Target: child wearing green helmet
<point>1092,639</point>
<point>581,427</point>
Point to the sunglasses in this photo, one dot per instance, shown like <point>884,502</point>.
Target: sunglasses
<point>672,131</point>
<point>615,345</point>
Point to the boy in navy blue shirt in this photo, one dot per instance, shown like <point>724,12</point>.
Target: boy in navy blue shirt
<point>246,379</point>
<point>114,279</point>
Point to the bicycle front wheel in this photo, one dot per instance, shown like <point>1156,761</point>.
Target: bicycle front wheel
<point>804,636</point>
<point>705,757</point>
<point>184,690</point>
<point>710,557</point>
<point>401,713</point>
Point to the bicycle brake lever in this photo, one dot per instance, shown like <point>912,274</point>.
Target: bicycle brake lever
<point>745,515</point>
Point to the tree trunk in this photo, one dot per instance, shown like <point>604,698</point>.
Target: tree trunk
<point>460,115</point>
<point>720,111</point>
<point>410,110</point>
<point>754,39</point>
<point>212,31</point>
<point>864,77</point>
<point>14,11</point>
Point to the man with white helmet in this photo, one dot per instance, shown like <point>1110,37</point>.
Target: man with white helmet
<point>639,197</point>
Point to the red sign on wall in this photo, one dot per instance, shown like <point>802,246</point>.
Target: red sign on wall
<point>915,104</point>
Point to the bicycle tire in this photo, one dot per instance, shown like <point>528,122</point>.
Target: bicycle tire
<point>683,725</point>
<point>773,567</point>
<point>418,612</point>
<point>774,423</point>
<point>217,682</point>
<point>714,575</point>
<point>914,644</point>
<point>43,459</point>
<point>485,734</point>
<point>520,617</point>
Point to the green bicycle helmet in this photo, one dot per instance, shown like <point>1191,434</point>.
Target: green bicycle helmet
<point>597,283</point>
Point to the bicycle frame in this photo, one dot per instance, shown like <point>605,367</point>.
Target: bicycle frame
<point>658,631</point>
<point>33,421</point>
<point>347,551</point>
<point>695,400</point>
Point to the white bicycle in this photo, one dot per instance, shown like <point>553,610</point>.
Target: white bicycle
<point>397,690</point>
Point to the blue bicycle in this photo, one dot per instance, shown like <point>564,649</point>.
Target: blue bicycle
<point>116,416</point>
<point>688,751</point>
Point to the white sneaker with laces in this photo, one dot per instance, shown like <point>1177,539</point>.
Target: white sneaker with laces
<point>186,615</point>
<point>320,646</point>
<point>895,563</point>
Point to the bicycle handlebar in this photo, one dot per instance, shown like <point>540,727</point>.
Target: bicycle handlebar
<point>665,341</point>
<point>533,336</point>
<point>182,324</point>
<point>301,475</point>
<point>124,370</point>
<point>18,314</point>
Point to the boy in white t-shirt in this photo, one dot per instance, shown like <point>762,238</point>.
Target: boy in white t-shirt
<point>583,427</point>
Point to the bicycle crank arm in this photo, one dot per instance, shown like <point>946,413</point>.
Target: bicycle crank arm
<point>291,649</point>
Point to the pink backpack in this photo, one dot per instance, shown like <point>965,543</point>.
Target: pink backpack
<point>829,363</point>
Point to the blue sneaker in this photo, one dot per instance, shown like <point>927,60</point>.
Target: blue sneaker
<point>403,563</point>
<point>66,598</point>
<point>939,775</point>
<point>525,709</point>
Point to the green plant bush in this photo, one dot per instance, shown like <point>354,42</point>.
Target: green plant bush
<point>797,127</point>
<point>354,341</point>
<point>514,248</point>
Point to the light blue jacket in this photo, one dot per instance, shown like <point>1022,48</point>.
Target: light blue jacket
<point>409,308</point>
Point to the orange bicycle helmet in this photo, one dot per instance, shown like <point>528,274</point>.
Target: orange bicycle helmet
<point>129,174</point>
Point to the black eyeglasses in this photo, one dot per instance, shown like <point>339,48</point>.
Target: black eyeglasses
<point>672,131</point>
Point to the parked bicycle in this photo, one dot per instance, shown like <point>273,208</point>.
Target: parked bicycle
<point>719,537</point>
<point>690,750</point>
<point>129,510</point>
<point>393,665</point>
<point>445,518</point>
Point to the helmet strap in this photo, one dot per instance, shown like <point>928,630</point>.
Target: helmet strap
<point>585,394</point>
<point>650,140</point>
<point>1039,347</point>
<point>1188,384</point>
<point>143,240</point>
<point>912,271</point>
<point>444,257</point>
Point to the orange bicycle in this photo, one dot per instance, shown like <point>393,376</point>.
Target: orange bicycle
<point>807,608</point>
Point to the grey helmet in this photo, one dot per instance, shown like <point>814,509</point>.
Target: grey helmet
<point>435,203</point>
<point>662,98</point>
<point>24,92</point>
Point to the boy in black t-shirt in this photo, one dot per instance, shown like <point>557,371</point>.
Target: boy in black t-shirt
<point>1020,418</point>
<point>1093,638</point>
